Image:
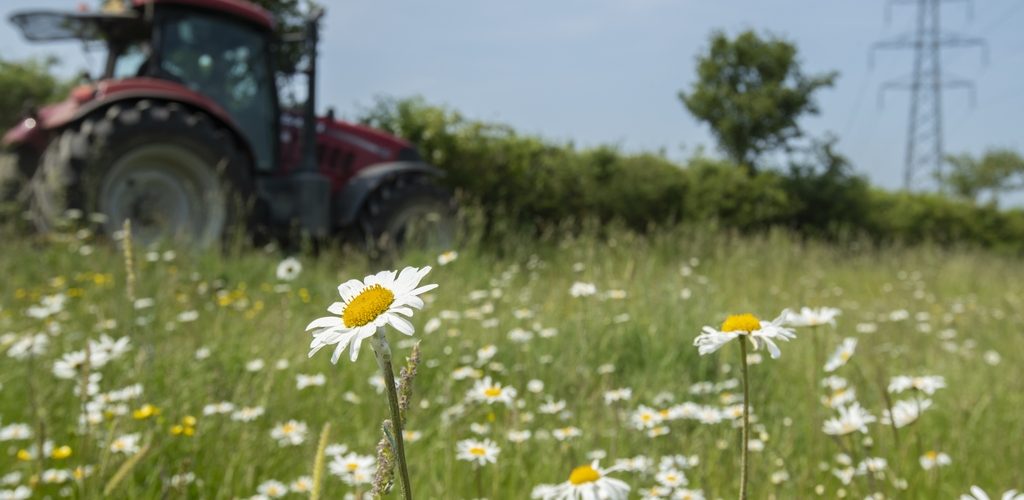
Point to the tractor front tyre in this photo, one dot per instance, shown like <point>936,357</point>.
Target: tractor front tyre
<point>409,212</point>
<point>171,171</point>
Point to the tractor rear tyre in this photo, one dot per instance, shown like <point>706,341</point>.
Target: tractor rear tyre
<point>170,170</point>
<point>409,212</point>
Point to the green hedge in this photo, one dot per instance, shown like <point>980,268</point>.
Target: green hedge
<point>540,183</point>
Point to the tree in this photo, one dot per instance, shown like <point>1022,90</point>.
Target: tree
<point>998,171</point>
<point>27,82</point>
<point>751,91</point>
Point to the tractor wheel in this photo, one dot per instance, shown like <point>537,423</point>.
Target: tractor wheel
<point>170,170</point>
<point>410,211</point>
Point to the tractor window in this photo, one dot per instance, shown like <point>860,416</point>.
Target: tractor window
<point>228,62</point>
<point>130,61</point>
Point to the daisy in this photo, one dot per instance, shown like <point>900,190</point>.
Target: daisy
<point>671,478</point>
<point>350,464</point>
<point>303,381</point>
<point>905,412</point>
<point>581,289</point>
<point>480,452</point>
<point>927,384</point>
<point>851,419</point>
<point>760,333</point>
<point>566,433</point>
<point>367,305</point>
<point>289,269</point>
<point>273,489</point>
<point>813,317</point>
<point>932,459</point>
<point>491,392</point>
<point>290,433</point>
<point>304,484</point>
<point>127,444</point>
<point>979,494</point>
<point>842,355</point>
<point>585,482</point>
<point>447,257</point>
<point>685,494</point>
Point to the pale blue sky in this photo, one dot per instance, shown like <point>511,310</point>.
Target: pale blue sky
<point>603,71</point>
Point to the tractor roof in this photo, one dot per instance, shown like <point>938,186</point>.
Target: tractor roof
<point>240,8</point>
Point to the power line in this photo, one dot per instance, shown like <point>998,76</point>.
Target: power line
<point>926,82</point>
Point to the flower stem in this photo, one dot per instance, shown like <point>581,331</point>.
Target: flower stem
<point>383,353</point>
<point>746,420</point>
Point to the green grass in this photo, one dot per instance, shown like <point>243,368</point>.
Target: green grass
<point>972,299</point>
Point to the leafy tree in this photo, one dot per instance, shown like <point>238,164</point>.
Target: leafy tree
<point>751,91</point>
<point>27,82</point>
<point>998,171</point>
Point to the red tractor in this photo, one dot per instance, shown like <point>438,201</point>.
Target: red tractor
<point>184,134</point>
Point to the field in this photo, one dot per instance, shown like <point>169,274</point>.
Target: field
<point>196,404</point>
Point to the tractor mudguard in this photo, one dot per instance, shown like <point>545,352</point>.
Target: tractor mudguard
<point>352,197</point>
<point>88,99</point>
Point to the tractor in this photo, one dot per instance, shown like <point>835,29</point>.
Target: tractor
<point>184,135</point>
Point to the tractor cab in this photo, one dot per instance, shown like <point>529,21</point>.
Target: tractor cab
<point>225,58</point>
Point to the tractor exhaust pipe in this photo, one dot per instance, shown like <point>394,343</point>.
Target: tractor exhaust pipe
<point>313,189</point>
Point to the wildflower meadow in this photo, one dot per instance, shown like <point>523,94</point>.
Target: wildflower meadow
<point>685,364</point>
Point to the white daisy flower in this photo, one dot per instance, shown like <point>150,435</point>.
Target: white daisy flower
<point>842,354</point>
<point>813,317</point>
<point>350,464</point>
<point>685,494</point>
<point>127,444</point>
<point>979,494</point>
<point>566,433</point>
<point>303,381</point>
<point>290,433</point>
<point>932,459</point>
<point>289,269</point>
<point>479,452</point>
<point>851,419</point>
<point>585,482</point>
<point>671,478</point>
<point>272,489</point>
<point>581,289</point>
<point>302,484</point>
<point>927,384</point>
<point>366,305</point>
<point>760,333</point>
<point>447,257</point>
<point>491,392</point>
<point>905,412</point>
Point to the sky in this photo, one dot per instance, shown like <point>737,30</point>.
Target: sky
<point>609,71</point>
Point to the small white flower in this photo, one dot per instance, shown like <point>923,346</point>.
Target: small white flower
<point>851,418</point>
<point>842,354</point>
<point>813,317</point>
<point>273,489</point>
<point>478,452</point>
<point>447,257</point>
<point>290,433</point>
<point>289,269</point>
<point>127,444</point>
<point>581,289</point>
<point>303,381</point>
<point>932,459</point>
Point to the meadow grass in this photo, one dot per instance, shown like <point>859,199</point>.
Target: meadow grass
<point>960,304</point>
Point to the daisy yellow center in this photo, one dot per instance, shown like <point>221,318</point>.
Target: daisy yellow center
<point>741,323</point>
<point>492,392</point>
<point>583,474</point>
<point>352,466</point>
<point>932,455</point>
<point>477,451</point>
<point>367,306</point>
